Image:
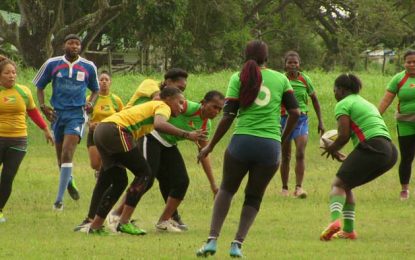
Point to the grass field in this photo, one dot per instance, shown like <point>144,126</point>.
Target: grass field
<point>286,228</point>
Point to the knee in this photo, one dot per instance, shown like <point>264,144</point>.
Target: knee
<point>299,156</point>
<point>95,165</point>
<point>253,200</point>
<point>285,157</point>
<point>180,188</point>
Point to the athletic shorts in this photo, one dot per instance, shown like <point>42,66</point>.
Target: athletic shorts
<point>255,150</point>
<point>300,129</point>
<point>112,139</point>
<point>90,139</point>
<point>16,143</point>
<point>405,128</point>
<point>69,122</point>
<point>367,161</point>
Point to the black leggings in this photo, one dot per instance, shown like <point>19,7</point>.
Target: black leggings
<point>10,158</point>
<point>167,165</point>
<point>407,150</point>
<point>113,181</point>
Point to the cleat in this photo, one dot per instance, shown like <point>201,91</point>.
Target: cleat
<point>207,249</point>
<point>345,235</point>
<point>2,218</point>
<point>84,226</point>
<point>98,232</point>
<point>112,221</point>
<point>404,195</point>
<point>300,193</point>
<point>285,193</point>
<point>73,190</point>
<point>167,226</point>
<point>130,228</point>
<point>178,222</point>
<point>235,250</point>
<point>332,229</point>
<point>58,206</point>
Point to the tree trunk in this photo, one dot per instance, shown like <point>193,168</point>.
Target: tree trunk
<point>41,30</point>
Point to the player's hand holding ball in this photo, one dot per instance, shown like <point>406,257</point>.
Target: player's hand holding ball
<point>326,141</point>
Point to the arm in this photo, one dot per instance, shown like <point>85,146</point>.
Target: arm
<point>46,110</point>
<point>38,120</point>
<point>229,113</point>
<point>343,129</point>
<point>161,125</point>
<point>386,101</point>
<point>207,168</point>
<point>316,105</point>
<point>90,103</point>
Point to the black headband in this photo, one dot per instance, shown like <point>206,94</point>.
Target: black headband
<point>71,37</point>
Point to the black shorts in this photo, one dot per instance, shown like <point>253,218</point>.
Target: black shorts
<point>367,161</point>
<point>112,139</point>
<point>90,139</point>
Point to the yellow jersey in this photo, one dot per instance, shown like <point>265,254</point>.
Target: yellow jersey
<point>139,119</point>
<point>105,106</point>
<point>144,92</point>
<point>14,102</point>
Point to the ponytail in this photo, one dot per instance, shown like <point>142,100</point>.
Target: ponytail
<point>251,80</point>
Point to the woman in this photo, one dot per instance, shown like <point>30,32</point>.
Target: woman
<point>17,101</point>
<point>147,90</point>
<point>303,88</point>
<point>105,105</point>
<point>116,139</point>
<point>401,86</point>
<point>254,96</point>
<point>373,154</point>
<point>167,164</point>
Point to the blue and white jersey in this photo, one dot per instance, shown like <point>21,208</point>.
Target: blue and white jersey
<point>69,81</point>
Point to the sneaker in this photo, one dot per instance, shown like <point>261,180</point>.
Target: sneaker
<point>177,221</point>
<point>2,218</point>
<point>285,193</point>
<point>404,195</point>
<point>58,206</point>
<point>84,226</point>
<point>112,221</point>
<point>130,228</point>
<point>330,230</point>
<point>207,249</point>
<point>300,193</point>
<point>167,226</point>
<point>98,232</point>
<point>73,190</point>
<point>235,250</point>
<point>345,235</point>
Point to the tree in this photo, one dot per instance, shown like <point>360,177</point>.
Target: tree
<point>44,24</point>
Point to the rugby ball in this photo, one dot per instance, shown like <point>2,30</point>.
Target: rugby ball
<point>328,138</point>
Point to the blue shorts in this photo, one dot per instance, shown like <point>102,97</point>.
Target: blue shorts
<point>69,122</point>
<point>300,129</point>
<point>255,150</point>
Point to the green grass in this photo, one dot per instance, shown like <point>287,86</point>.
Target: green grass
<point>285,228</point>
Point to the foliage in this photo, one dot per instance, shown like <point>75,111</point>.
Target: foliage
<point>285,228</point>
<point>200,35</point>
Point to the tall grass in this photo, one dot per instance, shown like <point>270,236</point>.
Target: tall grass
<point>286,228</point>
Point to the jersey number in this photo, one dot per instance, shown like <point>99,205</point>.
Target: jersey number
<point>264,96</point>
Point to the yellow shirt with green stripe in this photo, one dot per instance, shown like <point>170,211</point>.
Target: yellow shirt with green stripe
<point>105,106</point>
<point>13,105</point>
<point>144,92</point>
<point>138,120</point>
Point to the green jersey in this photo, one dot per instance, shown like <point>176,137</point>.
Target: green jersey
<point>365,119</point>
<point>189,120</point>
<point>262,118</point>
<point>303,88</point>
<point>404,87</point>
